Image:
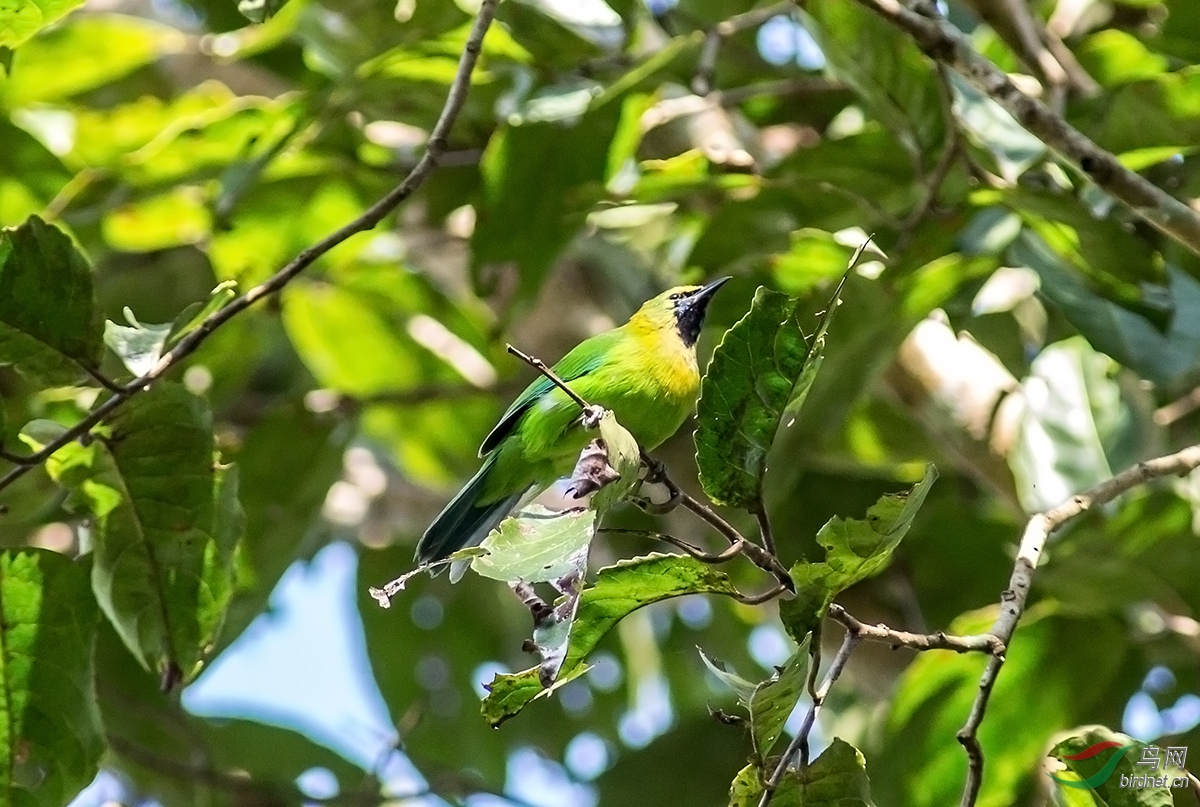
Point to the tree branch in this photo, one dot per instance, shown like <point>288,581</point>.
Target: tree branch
<point>986,643</point>
<point>1012,601</point>
<point>436,146</point>
<point>702,82</point>
<point>800,741</point>
<point>947,45</point>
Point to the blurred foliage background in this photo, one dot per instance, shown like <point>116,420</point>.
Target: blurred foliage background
<point>1019,328</point>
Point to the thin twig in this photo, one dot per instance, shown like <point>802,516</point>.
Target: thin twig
<point>800,741</point>
<point>545,370</point>
<point>761,558</point>
<point>16,459</point>
<point>707,63</point>
<point>986,643</point>
<point>759,599</point>
<point>1012,601</point>
<point>946,44</point>
<point>764,528</point>
<point>1178,409</point>
<point>696,552</point>
<point>436,146</point>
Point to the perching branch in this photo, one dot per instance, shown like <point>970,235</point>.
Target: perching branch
<point>1012,601</point>
<point>434,149</point>
<point>947,45</point>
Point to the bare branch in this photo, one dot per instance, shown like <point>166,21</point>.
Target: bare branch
<point>800,741</point>
<point>947,45</point>
<point>1012,601</point>
<point>985,643</point>
<point>764,528</point>
<point>545,370</point>
<point>436,146</point>
<point>696,552</point>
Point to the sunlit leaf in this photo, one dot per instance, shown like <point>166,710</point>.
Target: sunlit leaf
<point>618,591</point>
<point>837,778</point>
<point>22,19</point>
<point>139,346</point>
<point>855,549</point>
<point>1078,428</point>
<point>536,545</point>
<point>50,741</point>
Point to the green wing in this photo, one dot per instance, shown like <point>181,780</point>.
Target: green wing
<point>583,359</point>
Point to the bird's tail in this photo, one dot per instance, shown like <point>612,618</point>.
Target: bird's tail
<point>464,522</point>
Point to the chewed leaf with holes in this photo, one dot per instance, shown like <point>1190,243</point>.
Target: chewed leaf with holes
<point>855,549</point>
<point>619,590</point>
<point>48,328</point>
<point>148,486</point>
<point>837,778</point>
<point>769,702</point>
<point>760,373</point>
<point>536,545</point>
<point>50,740</point>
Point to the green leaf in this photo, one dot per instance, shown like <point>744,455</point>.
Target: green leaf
<point>769,702</point>
<point>1113,776</point>
<point>536,545</point>
<point>883,67</point>
<point>85,52</point>
<point>1077,429</point>
<point>48,328</point>
<point>855,549</point>
<point>148,486</point>
<point>21,19</point>
<point>569,158</point>
<point>195,314</point>
<point>50,742</point>
<point>138,346</point>
<point>175,218</point>
<point>762,367</point>
<point>619,590</point>
<point>1134,341</point>
<point>837,778</point>
<point>813,259</point>
<point>1058,672</point>
<point>1113,57</point>
<point>992,127</point>
<point>260,10</point>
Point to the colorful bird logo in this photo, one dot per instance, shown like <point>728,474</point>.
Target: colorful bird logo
<point>1101,776</point>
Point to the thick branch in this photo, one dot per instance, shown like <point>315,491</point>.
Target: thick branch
<point>947,45</point>
<point>274,284</point>
<point>1012,601</point>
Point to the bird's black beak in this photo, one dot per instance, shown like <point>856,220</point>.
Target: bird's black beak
<point>690,310</point>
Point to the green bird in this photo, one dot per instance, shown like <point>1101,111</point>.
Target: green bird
<point>645,371</point>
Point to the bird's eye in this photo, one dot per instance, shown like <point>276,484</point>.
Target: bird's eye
<point>675,296</point>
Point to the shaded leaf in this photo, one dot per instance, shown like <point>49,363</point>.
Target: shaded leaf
<point>837,778</point>
<point>855,549</point>
<point>148,489</point>
<point>50,741</point>
<point>1131,339</point>
<point>619,590</point>
<point>48,328</point>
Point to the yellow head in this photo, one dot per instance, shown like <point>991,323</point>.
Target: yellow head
<point>680,309</point>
